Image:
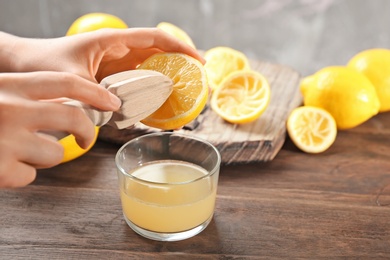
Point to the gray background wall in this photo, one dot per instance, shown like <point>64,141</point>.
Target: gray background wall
<point>304,34</point>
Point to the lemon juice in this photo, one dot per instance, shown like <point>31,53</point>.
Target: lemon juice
<point>168,196</point>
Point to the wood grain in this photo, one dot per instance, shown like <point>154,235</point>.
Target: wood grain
<point>334,205</point>
<point>245,143</point>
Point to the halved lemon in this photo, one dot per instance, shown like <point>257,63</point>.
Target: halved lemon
<point>312,129</point>
<point>190,90</point>
<point>221,61</point>
<point>241,97</point>
<point>176,32</point>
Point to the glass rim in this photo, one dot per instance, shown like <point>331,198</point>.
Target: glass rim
<point>209,173</point>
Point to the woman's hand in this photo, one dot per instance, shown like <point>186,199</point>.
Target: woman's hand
<point>26,110</point>
<point>76,63</point>
<point>95,55</point>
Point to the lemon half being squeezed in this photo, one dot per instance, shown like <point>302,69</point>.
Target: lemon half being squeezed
<point>190,90</point>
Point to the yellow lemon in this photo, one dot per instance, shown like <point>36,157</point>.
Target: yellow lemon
<point>242,97</point>
<point>176,32</point>
<point>312,129</point>
<point>221,61</point>
<point>345,93</point>
<point>94,21</point>
<point>72,150</point>
<point>190,90</point>
<point>375,64</point>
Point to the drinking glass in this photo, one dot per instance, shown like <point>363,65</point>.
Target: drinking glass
<point>168,184</point>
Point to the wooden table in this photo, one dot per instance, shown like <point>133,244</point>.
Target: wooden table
<point>327,206</point>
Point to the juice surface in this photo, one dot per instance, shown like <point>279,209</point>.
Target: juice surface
<point>173,207</point>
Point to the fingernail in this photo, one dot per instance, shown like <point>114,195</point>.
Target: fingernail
<point>115,101</point>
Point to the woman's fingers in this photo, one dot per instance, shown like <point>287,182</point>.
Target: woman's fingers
<point>41,151</point>
<point>20,114</point>
<point>14,173</point>
<point>146,38</point>
<point>22,92</point>
<point>23,115</point>
<point>52,85</point>
<point>125,49</point>
<point>45,116</point>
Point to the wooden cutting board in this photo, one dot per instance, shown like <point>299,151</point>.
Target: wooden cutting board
<point>258,141</point>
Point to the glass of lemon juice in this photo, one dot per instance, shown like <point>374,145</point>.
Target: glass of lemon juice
<point>168,184</point>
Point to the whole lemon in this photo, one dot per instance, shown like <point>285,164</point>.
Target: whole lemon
<point>375,64</point>
<point>176,32</point>
<point>345,93</point>
<point>94,21</point>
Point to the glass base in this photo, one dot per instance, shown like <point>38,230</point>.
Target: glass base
<point>177,236</point>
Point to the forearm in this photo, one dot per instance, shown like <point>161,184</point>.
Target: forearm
<point>18,54</point>
<point>8,51</point>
